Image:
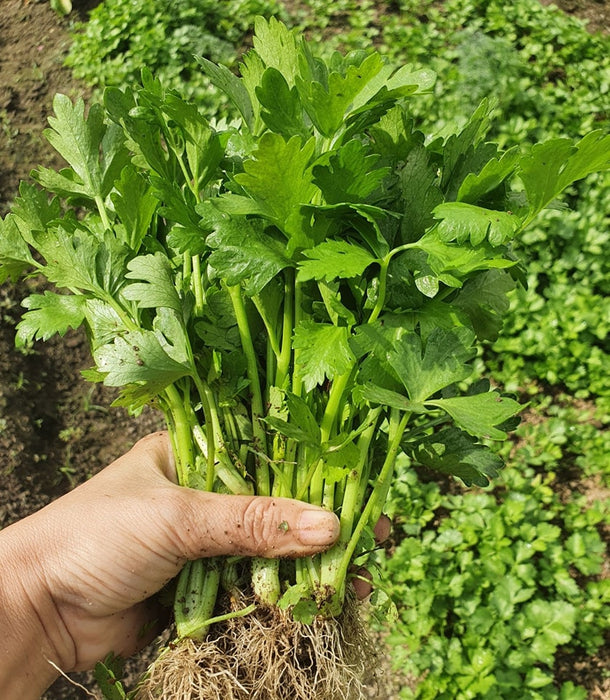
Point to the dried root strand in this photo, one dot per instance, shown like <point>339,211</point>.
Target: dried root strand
<point>267,656</point>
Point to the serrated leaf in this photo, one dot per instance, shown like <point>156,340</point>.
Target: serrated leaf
<point>278,177</point>
<point>203,146</point>
<point>94,150</point>
<point>452,451</point>
<point>465,153</point>
<point>375,226</point>
<point>461,222</point>
<point>386,397</point>
<point>15,256</point>
<point>282,111</point>
<point>103,321</point>
<point>78,138</point>
<point>323,352</point>
<point>327,104</point>
<point>243,253</point>
<point>337,464</point>
<point>479,414</point>
<point>334,260</point>
<point>485,299</point>
<point>158,288</point>
<point>107,675</point>
<point>49,314</point>
<point>350,174</point>
<point>278,46</point>
<point>552,166</point>
<point>139,356</point>
<point>491,176</point>
<point>293,595</point>
<point>302,426</point>
<point>442,361</point>
<point>144,135</point>
<point>70,258</point>
<point>232,86</point>
<point>34,210</point>
<point>135,205</point>
<point>301,414</point>
<point>420,192</point>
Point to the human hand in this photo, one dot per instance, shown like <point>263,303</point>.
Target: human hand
<point>80,573</point>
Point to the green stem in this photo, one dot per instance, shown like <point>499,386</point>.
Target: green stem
<point>266,580</point>
<point>381,292</point>
<point>350,506</point>
<point>283,365</point>
<point>101,207</point>
<point>260,439</point>
<point>224,468</point>
<point>183,443</point>
<point>371,511</point>
<point>196,593</point>
<point>297,382</point>
<point>197,286</point>
<point>320,493</point>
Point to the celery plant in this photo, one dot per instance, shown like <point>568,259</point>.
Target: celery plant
<point>301,290</point>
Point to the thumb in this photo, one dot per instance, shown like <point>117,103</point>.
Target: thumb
<point>215,524</point>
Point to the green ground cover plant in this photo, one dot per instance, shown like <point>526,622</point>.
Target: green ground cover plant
<point>495,584</point>
<point>120,38</point>
<point>301,291</point>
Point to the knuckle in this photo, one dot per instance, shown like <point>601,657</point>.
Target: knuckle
<point>261,525</point>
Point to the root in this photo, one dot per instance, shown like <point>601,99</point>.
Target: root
<point>267,656</point>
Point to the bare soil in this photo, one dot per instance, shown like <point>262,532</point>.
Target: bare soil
<point>56,430</point>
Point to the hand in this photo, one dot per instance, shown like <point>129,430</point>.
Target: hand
<point>78,575</point>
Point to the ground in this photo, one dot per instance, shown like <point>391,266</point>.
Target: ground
<point>56,430</point>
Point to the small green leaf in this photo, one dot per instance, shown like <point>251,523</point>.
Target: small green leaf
<point>452,451</point>
<point>243,252</point>
<point>232,86</point>
<point>282,111</point>
<point>420,191</point>
<point>135,204</point>
<point>48,314</point>
<point>107,675</point>
<point>278,177</point>
<point>157,289</point>
<point>461,222</point>
<point>442,362</point>
<point>323,352</point>
<point>480,414</point>
<point>277,46</point>
<point>139,356</point>
<point>337,464</point>
<point>350,174</point>
<point>334,260</point>
<point>491,176</point>
<point>302,426</point>
<point>15,256</point>
<point>484,299</point>
<point>552,166</point>
<point>328,104</point>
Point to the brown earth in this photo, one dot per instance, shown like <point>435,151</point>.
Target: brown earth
<point>55,430</point>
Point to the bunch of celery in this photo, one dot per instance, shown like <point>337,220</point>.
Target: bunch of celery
<point>300,291</point>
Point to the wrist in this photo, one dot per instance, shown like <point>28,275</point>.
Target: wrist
<point>30,628</point>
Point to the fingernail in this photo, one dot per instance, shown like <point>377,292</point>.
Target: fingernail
<point>317,527</point>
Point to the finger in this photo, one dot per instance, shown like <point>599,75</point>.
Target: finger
<point>154,450</point>
<point>362,583</point>
<point>217,524</point>
<point>382,529</point>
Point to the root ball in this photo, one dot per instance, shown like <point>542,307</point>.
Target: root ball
<point>267,656</point>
